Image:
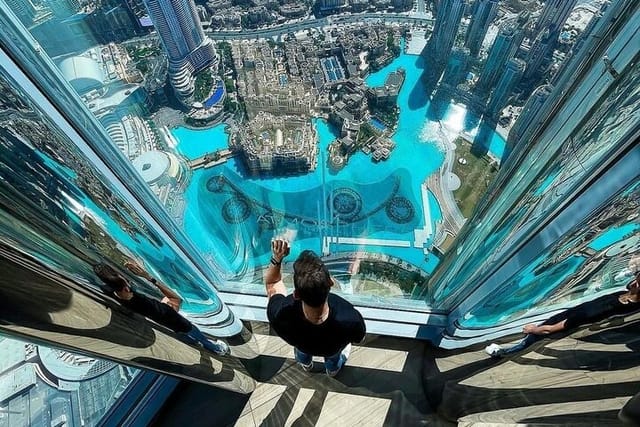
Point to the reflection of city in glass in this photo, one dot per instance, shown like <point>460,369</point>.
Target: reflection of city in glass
<point>43,386</point>
<point>581,264</point>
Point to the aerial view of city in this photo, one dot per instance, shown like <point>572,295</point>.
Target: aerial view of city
<point>367,131</point>
<point>47,387</point>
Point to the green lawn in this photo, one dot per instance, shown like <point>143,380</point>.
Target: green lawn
<point>204,83</point>
<point>475,177</point>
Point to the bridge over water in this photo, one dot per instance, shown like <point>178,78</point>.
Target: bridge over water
<point>214,158</point>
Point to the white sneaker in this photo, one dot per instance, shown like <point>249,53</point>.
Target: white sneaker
<point>220,347</point>
<point>306,368</point>
<point>494,350</point>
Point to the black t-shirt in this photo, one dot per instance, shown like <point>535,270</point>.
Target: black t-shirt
<point>599,309</point>
<point>157,311</point>
<point>343,326</point>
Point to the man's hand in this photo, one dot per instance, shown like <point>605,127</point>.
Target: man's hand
<point>279,249</point>
<point>273,277</point>
<point>136,269</point>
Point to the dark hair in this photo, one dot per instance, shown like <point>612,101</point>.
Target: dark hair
<point>311,279</point>
<point>110,277</point>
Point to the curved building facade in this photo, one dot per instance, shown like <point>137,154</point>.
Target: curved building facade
<point>187,47</point>
<point>160,168</point>
<point>84,74</point>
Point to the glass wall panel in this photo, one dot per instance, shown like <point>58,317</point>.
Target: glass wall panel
<point>46,386</point>
<point>585,262</point>
<point>370,214</point>
<point>57,206</point>
<point>62,213</point>
<point>594,122</point>
<point>337,139</point>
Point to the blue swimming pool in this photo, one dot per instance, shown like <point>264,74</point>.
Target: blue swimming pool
<point>216,96</point>
<point>377,124</point>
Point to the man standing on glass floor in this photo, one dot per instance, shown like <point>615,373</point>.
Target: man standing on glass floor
<point>313,320</point>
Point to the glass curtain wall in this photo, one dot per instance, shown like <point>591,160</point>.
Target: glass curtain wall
<point>583,262</point>
<point>246,139</point>
<point>164,107</point>
<point>507,246</point>
<point>62,212</point>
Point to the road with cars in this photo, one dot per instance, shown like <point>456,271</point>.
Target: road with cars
<point>292,27</point>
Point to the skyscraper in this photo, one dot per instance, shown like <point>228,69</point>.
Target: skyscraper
<point>548,26</point>
<point>484,12</point>
<point>554,14</point>
<point>510,78</point>
<point>530,118</point>
<point>445,29</point>
<point>503,48</point>
<point>457,66</point>
<point>539,50</point>
<point>188,49</point>
<point>25,10</point>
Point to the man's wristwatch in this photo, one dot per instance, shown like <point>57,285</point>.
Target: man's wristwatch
<point>274,261</point>
<point>153,280</point>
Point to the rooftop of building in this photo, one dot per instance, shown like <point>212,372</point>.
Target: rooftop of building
<point>12,353</point>
<point>152,165</point>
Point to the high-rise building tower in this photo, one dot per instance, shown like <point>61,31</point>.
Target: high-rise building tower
<point>538,52</point>
<point>530,118</point>
<point>549,24</point>
<point>510,78</point>
<point>484,12</point>
<point>457,66</point>
<point>554,14</point>
<point>188,49</point>
<point>25,10</point>
<point>503,48</point>
<point>445,29</point>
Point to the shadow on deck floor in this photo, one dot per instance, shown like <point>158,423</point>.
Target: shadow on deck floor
<point>582,378</point>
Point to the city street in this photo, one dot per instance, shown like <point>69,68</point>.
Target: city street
<point>293,27</point>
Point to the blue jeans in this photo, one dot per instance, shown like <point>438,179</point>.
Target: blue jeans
<point>195,335</point>
<point>528,340</point>
<point>331,363</point>
<point>531,339</point>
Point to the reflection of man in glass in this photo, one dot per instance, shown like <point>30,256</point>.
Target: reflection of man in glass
<point>313,320</point>
<point>618,303</point>
<point>163,312</point>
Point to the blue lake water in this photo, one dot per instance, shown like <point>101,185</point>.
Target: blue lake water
<point>614,235</point>
<point>232,217</point>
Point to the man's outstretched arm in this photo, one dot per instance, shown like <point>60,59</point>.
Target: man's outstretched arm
<point>170,297</point>
<point>544,329</point>
<point>273,276</point>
